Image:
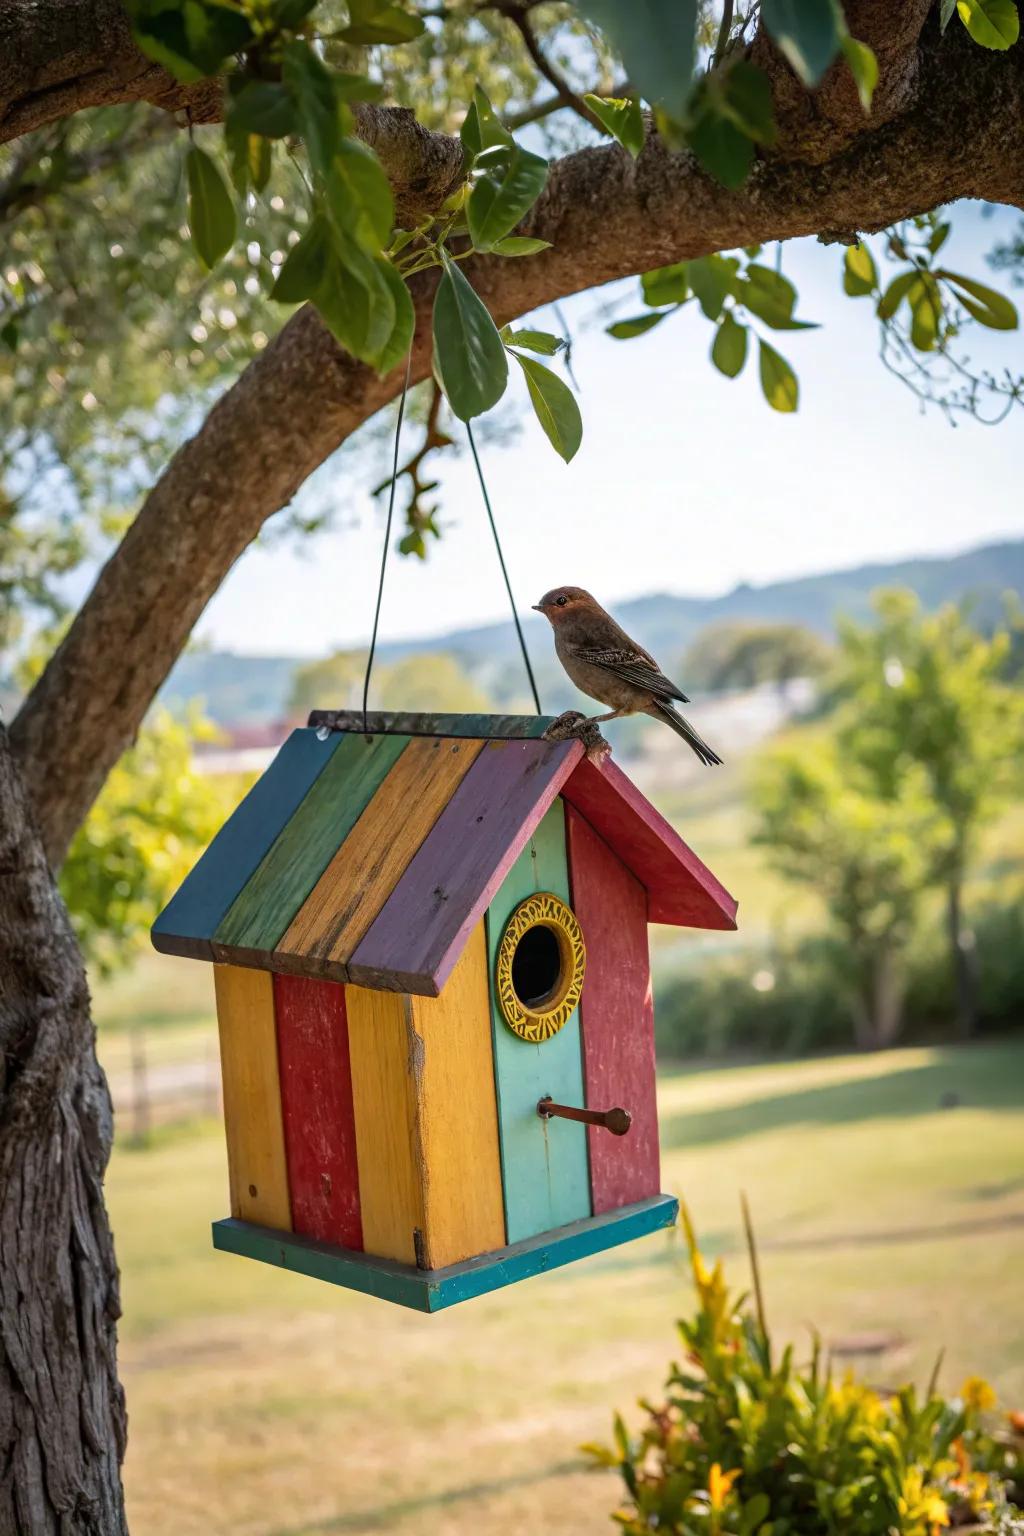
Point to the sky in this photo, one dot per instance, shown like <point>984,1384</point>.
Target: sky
<point>686,482</point>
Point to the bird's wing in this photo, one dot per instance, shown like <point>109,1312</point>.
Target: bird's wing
<point>633,666</point>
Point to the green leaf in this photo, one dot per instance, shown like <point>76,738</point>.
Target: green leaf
<point>746,96</point>
<point>319,111</point>
<point>211,213</point>
<point>379,21</point>
<point>9,336</point>
<point>357,302</point>
<point>263,106</point>
<point>863,68</point>
<point>504,195</point>
<point>992,23</point>
<point>555,407</point>
<point>359,198</point>
<point>778,381</point>
<point>729,350</point>
<point>622,330</point>
<point>400,340</point>
<point>622,117</point>
<point>214,32</point>
<point>808,33</point>
<point>925,312</point>
<point>666,285</point>
<point>655,41</point>
<point>261,160</point>
<point>162,38</point>
<point>306,265</point>
<point>481,128</point>
<point>534,341</point>
<point>860,275</point>
<point>946,9</point>
<point>290,13</point>
<point>711,278</point>
<point>986,305</point>
<point>519,245</point>
<point>721,148</point>
<point>896,292</point>
<point>469,357</point>
<point>939,236</point>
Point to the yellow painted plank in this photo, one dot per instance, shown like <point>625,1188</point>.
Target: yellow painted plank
<point>381,1039</point>
<point>372,859</point>
<point>257,1169</point>
<point>458,1116</point>
<point>426,1118</point>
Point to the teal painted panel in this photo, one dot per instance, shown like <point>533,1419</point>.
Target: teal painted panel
<point>431,1290</point>
<point>544,1162</point>
<point>187,924</point>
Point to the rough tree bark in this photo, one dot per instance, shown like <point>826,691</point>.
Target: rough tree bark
<point>62,1416</point>
<point>948,125</point>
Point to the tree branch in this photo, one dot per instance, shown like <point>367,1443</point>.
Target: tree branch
<point>607,217</point>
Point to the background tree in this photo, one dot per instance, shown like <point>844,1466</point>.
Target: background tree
<point>738,655</point>
<point>825,826</point>
<point>927,698</point>
<point>397,230</point>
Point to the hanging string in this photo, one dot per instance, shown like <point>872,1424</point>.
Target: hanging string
<point>387,540</point>
<point>504,571</point>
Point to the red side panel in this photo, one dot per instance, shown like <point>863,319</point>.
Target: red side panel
<point>316,1097</point>
<point>617,1012</point>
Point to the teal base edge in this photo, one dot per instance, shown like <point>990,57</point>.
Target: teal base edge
<point>430,1290</point>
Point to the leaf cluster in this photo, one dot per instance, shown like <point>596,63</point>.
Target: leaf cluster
<point>747,1441</point>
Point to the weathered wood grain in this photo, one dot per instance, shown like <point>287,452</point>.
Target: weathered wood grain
<point>188,923</point>
<point>257,1169</point>
<point>426,1121</point>
<point>376,853</point>
<point>499,727</point>
<point>458,1114</point>
<point>419,933</point>
<point>680,889</point>
<point>544,1162</point>
<point>316,1103</point>
<point>430,1290</point>
<point>269,900</point>
<point>617,1017</point>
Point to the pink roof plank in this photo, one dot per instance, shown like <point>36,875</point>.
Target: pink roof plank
<point>680,888</point>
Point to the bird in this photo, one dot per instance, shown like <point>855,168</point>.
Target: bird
<point>606,664</point>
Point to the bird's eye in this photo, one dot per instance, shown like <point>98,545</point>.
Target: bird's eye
<point>561,601</point>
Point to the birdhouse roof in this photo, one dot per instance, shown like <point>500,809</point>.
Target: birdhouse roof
<point>371,857</point>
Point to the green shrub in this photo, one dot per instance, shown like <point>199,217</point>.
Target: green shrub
<point>749,1443</point>
<point>791,999</point>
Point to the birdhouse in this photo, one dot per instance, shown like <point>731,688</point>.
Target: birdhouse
<point>434,1002</point>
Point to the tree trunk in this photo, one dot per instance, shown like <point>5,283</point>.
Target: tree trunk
<point>878,1001</point>
<point>965,966</point>
<point>62,1415</point>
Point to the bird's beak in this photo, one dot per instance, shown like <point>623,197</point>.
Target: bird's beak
<point>537,607</point>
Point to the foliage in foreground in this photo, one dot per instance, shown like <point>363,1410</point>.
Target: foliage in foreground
<point>749,1443</point>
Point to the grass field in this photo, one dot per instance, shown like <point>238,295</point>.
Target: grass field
<point>268,1404</point>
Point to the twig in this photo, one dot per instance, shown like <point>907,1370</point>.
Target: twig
<point>520,19</point>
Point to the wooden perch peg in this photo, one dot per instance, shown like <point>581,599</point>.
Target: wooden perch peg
<point>618,1121</point>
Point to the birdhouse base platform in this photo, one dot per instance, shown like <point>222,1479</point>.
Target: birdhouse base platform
<point>430,1290</point>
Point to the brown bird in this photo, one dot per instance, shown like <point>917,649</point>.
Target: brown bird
<point>605,663</point>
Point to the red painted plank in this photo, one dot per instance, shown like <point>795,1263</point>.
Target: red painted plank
<point>617,1015</point>
<point>422,928</point>
<point>680,888</point>
<point>316,1098</point>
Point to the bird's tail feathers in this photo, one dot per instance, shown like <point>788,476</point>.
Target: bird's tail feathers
<point>684,729</point>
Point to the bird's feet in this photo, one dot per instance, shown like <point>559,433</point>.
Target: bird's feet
<point>572,725</point>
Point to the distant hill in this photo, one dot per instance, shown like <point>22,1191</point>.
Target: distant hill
<point>244,689</point>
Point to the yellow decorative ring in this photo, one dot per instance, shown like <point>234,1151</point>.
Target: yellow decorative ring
<point>544,1019</point>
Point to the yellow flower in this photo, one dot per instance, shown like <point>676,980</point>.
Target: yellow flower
<point>977,1394</point>
<point>720,1484</point>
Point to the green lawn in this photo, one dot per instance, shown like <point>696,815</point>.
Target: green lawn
<point>268,1404</point>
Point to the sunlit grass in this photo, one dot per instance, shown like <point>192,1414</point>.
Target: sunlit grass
<point>268,1404</point>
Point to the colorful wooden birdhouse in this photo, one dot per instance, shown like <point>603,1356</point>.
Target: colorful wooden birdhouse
<point>434,1002</point>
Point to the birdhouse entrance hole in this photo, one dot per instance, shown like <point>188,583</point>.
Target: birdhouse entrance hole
<point>540,966</point>
<point>537,966</point>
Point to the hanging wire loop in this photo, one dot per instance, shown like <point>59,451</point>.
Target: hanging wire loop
<point>504,570</point>
<point>387,542</point>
